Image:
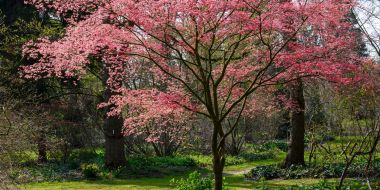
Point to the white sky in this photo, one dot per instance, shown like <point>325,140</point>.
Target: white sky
<point>368,13</point>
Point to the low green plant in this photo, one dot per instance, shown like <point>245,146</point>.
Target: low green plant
<point>193,182</point>
<point>250,156</point>
<point>196,182</point>
<point>139,166</point>
<point>90,170</point>
<point>326,170</point>
<point>263,185</point>
<point>83,156</point>
<point>281,145</point>
<point>264,172</point>
<point>324,185</point>
<point>206,160</point>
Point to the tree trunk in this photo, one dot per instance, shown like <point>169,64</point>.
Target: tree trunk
<point>218,155</point>
<point>248,130</point>
<point>42,148</point>
<point>114,138</point>
<point>296,150</point>
<point>283,129</point>
<point>114,145</point>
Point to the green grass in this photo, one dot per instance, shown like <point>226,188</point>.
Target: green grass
<point>114,184</point>
<point>233,169</point>
<point>233,174</point>
<point>234,182</point>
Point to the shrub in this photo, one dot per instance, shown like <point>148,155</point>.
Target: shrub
<point>327,170</point>
<point>202,160</point>
<point>324,185</point>
<point>193,182</point>
<point>234,160</point>
<point>83,156</point>
<point>206,160</point>
<point>160,162</point>
<point>254,156</point>
<point>281,145</point>
<point>90,170</point>
<point>140,166</point>
<point>295,172</point>
<point>264,172</point>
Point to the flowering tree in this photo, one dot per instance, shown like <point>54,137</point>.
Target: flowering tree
<point>80,52</point>
<point>164,125</point>
<point>213,55</point>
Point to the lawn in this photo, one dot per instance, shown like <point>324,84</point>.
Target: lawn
<point>235,182</point>
<point>159,171</point>
<point>233,175</point>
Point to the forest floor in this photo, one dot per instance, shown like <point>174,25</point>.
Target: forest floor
<point>234,182</point>
<point>152,173</point>
<point>234,176</point>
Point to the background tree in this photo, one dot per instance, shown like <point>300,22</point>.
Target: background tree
<point>297,118</point>
<point>98,68</point>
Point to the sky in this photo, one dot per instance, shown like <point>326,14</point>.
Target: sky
<point>368,13</point>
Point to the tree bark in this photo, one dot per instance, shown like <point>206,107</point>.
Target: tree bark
<point>283,129</point>
<point>42,148</point>
<point>248,131</point>
<point>296,149</point>
<point>218,155</point>
<point>112,128</point>
<point>114,142</point>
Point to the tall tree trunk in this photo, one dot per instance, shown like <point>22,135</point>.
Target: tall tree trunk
<point>296,150</point>
<point>114,142</point>
<point>114,138</point>
<point>41,146</point>
<point>218,155</point>
<point>248,130</point>
<point>283,129</point>
<point>42,128</point>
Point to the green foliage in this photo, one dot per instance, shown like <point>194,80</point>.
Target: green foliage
<point>84,155</point>
<point>234,160</point>
<point>78,157</point>
<point>322,185</point>
<point>193,182</point>
<point>52,171</point>
<point>90,170</point>
<point>139,166</point>
<point>264,172</point>
<point>162,162</point>
<point>263,185</point>
<point>202,160</point>
<point>326,170</point>
<point>247,156</point>
<point>276,144</point>
<point>254,156</point>
<point>273,145</point>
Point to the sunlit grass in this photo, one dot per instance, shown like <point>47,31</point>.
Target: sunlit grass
<point>233,176</point>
